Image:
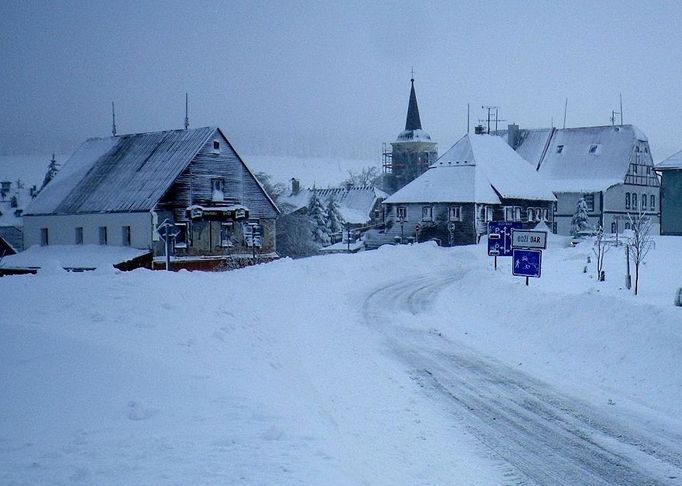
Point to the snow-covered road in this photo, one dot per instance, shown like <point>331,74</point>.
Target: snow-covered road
<point>542,434</point>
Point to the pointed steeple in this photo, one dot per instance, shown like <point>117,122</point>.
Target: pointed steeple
<point>413,122</point>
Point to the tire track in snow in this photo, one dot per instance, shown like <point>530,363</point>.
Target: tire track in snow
<point>543,436</point>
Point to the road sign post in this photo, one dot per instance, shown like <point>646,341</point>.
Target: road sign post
<point>500,238</point>
<point>167,231</point>
<point>527,263</point>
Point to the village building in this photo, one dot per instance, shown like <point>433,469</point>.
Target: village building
<point>478,180</point>
<point>411,154</point>
<point>359,206</point>
<point>119,190</point>
<point>609,166</point>
<point>15,196</point>
<point>671,194</point>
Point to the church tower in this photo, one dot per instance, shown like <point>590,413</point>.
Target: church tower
<point>412,153</point>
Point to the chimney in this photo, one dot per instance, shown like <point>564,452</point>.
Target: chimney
<point>295,186</point>
<point>513,135</point>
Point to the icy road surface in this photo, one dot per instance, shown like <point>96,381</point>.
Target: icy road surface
<point>545,436</point>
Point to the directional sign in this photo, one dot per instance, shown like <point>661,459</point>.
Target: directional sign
<point>527,263</point>
<point>500,237</point>
<point>529,239</point>
<point>169,227</point>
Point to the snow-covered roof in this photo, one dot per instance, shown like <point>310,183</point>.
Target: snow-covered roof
<point>414,136</point>
<point>123,173</point>
<point>355,203</point>
<point>672,162</point>
<point>71,256</point>
<point>476,169</point>
<point>573,159</point>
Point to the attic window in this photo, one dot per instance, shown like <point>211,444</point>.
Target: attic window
<point>593,148</point>
<point>559,149</point>
<point>216,145</point>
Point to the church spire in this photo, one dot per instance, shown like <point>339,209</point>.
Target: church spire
<point>413,122</point>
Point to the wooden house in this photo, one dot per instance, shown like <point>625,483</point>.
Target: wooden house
<point>671,194</point>
<point>478,180</point>
<point>609,166</point>
<point>119,190</point>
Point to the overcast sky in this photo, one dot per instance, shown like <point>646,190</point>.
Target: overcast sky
<point>332,78</point>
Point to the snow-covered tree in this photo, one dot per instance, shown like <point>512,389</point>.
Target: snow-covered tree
<point>318,220</point>
<point>580,219</point>
<point>369,176</point>
<point>335,221</point>
<point>600,248</point>
<point>52,170</point>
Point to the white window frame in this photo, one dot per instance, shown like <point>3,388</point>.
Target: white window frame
<point>489,211</point>
<point>531,215</point>
<point>455,213</point>
<point>216,146</point>
<point>427,213</point>
<point>644,201</point>
<point>126,236</point>
<point>401,213</point>
<point>217,189</point>
<point>652,202</point>
<point>628,200</point>
<point>103,235</point>
<point>183,230</point>
<point>226,230</point>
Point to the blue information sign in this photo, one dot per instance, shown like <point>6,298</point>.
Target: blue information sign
<point>527,263</point>
<point>500,237</point>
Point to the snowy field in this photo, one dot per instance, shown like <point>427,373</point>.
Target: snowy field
<point>406,365</point>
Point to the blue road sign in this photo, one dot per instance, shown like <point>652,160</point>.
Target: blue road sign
<point>500,237</point>
<point>527,263</point>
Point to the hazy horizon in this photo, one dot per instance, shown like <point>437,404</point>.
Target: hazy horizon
<point>332,79</point>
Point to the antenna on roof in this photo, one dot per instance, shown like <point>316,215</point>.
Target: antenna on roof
<point>496,119</point>
<point>565,109</point>
<point>468,122</point>
<point>186,113</point>
<point>113,119</point>
<point>621,109</point>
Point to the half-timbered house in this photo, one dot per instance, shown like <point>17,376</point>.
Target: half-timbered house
<point>609,166</point>
<point>478,180</point>
<point>119,190</point>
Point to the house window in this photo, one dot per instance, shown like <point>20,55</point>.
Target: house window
<point>488,213</point>
<point>455,213</point>
<point>559,149</point>
<point>225,233</point>
<point>589,200</point>
<point>627,225</point>
<point>634,200</point>
<point>614,227</point>
<point>427,213</point>
<point>216,145</point>
<point>530,214</point>
<point>182,238</point>
<point>44,240</point>
<point>79,235</point>
<point>253,235</point>
<point>593,148</point>
<point>517,213</point>
<point>627,200</point>
<point>634,168</point>
<point>652,200</point>
<point>125,235</point>
<point>401,213</point>
<point>509,213</point>
<point>102,235</point>
<point>644,198</point>
<point>217,189</point>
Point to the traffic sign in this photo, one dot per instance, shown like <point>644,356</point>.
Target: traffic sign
<point>167,229</point>
<point>527,263</point>
<point>500,237</point>
<point>529,239</point>
<point>417,228</point>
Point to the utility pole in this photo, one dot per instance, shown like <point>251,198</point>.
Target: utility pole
<point>113,118</point>
<point>565,109</point>
<point>186,113</point>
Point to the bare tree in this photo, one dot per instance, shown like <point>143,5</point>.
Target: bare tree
<point>600,248</point>
<point>368,176</point>
<point>641,241</point>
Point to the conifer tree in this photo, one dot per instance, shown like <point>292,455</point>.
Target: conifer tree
<point>580,219</point>
<point>335,219</point>
<point>318,220</point>
<point>52,170</point>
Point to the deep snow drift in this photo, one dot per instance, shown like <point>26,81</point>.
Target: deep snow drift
<point>275,375</point>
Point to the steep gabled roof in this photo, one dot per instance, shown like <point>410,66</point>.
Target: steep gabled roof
<point>584,159</point>
<point>123,173</point>
<point>413,121</point>
<point>480,169</point>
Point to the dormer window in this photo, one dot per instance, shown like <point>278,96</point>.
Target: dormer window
<point>559,149</point>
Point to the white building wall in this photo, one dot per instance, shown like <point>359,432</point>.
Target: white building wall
<point>61,229</point>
